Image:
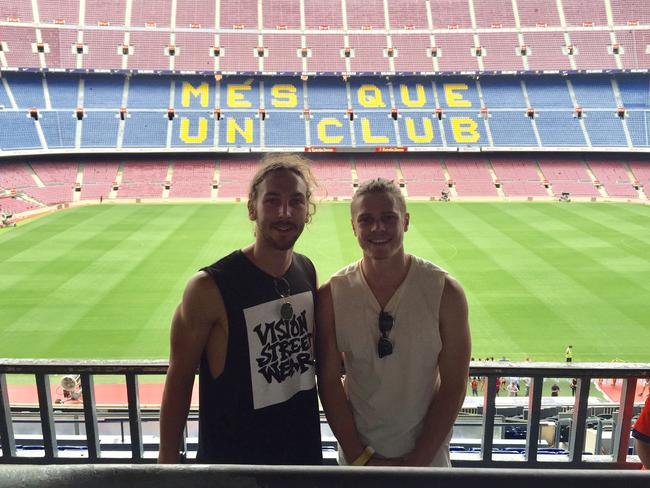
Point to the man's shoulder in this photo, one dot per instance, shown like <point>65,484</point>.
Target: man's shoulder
<point>225,263</point>
<point>345,271</point>
<point>302,260</point>
<point>427,266</point>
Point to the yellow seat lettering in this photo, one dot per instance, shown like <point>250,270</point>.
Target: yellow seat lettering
<point>284,96</point>
<point>322,131</point>
<point>369,96</point>
<point>412,133</point>
<point>464,130</point>
<point>453,97</point>
<point>233,128</point>
<point>201,134</point>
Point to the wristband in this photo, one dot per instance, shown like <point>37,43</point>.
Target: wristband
<point>364,457</point>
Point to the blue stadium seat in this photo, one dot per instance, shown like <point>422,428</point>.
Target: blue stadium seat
<point>22,134</point>
<point>63,90</point>
<point>559,129</point>
<point>470,133</point>
<point>193,92</point>
<point>638,123</point>
<point>424,129</point>
<point>548,92</point>
<point>278,98</point>
<point>512,129</point>
<point>284,129</point>
<point>417,91</point>
<point>502,92</point>
<point>635,90</point>
<point>338,135</point>
<point>99,129</point>
<point>327,93</point>
<point>27,89</point>
<point>193,129</point>
<point>594,92</point>
<point>148,92</point>
<point>145,129</point>
<point>59,128</point>
<point>5,103</point>
<point>250,97</point>
<point>102,91</point>
<point>458,93</point>
<point>369,91</point>
<point>605,128</point>
<point>248,123</point>
<point>374,129</point>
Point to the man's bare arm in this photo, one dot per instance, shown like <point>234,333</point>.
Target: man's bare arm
<point>328,366</point>
<point>453,367</point>
<point>643,450</point>
<point>195,318</point>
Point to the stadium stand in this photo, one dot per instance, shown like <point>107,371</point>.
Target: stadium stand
<point>15,175</point>
<point>549,110</point>
<point>407,15</point>
<point>14,205</point>
<point>630,12</point>
<point>500,51</point>
<point>641,171</point>
<point>195,15</point>
<point>448,15</point>
<point>105,49</point>
<point>98,179</point>
<point>105,14</point>
<point>495,14</point>
<point>283,52</point>
<point>613,176</point>
<point>151,13</point>
<point>143,179</point>
<point>423,176</point>
<point>518,177</point>
<point>334,178</point>
<point>568,176</point>
<point>368,167</point>
<point>239,15</point>
<point>235,176</point>
<point>455,52</point>
<point>149,50</point>
<point>280,14</point>
<point>471,177</point>
<point>192,179</point>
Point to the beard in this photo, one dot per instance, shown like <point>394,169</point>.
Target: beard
<point>280,242</point>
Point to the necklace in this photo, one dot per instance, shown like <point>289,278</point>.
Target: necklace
<point>286,309</point>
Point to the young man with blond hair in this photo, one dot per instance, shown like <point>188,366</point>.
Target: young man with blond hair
<point>400,325</point>
<point>247,322</point>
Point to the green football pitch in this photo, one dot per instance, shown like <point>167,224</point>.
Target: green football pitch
<point>103,281</point>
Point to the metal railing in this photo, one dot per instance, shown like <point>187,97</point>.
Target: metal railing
<point>485,457</point>
<point>202,476</point>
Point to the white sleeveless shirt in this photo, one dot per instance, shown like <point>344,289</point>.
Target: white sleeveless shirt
<point>390,396</point>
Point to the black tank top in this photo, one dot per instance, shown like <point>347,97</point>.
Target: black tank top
<point>263,408</point>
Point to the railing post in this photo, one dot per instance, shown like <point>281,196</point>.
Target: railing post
<point>90,416</point>
<point>534,414</point>
<point>47,415</point>
<point>579,421</point>
<point>6,426</point>
<point>489,410</point>
<point>621,436</point>
<point>135,421</point>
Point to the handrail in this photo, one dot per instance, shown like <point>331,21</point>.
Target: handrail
<point>202,476</point>
<point>491,370</point>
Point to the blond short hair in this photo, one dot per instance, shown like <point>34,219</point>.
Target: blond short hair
<point>380,185</point>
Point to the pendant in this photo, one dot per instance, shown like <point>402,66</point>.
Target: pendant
<point>286,311</point>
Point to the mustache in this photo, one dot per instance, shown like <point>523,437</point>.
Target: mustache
<point>284,223</point>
